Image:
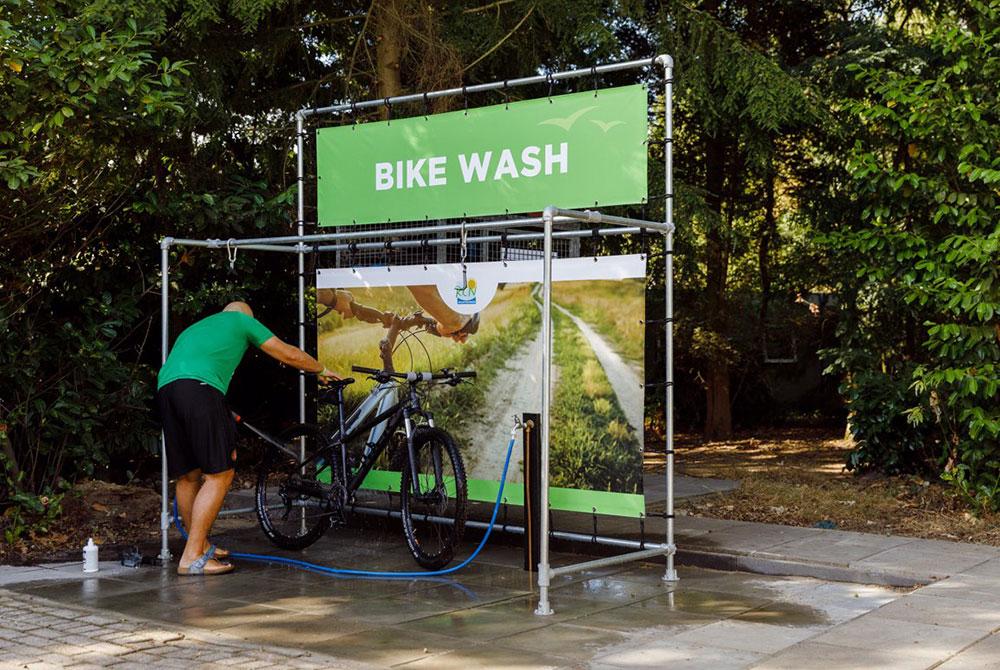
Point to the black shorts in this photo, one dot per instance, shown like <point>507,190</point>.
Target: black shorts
<point>199,430</point>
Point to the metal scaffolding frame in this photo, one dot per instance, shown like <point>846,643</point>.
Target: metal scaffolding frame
<point>302,244</point>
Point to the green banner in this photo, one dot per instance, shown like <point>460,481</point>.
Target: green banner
<point>576,150</point>
<point>571,500</point>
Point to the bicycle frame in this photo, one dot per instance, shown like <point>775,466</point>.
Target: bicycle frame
<point>379,414</point>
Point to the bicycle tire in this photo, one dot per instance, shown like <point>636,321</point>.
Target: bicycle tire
<point>431,542</point>
<point>277,467</point>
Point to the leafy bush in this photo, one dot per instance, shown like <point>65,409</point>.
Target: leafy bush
<point>926,171</point>
<point>883,437</point>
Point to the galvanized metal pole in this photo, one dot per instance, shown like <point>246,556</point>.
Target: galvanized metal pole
<point>300,229</point>
<point>479,88</point>
<point>668,270</point>
<point>164,349</point>
<point>543,608</point>
<point>300,218</point>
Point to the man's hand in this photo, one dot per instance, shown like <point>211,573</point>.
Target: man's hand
<point>325,376</point>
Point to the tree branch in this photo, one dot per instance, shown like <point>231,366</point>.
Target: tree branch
<point>486,8</point>
<point>502,40</point>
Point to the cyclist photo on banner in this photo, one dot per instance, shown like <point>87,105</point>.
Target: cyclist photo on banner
<point>486,317</point>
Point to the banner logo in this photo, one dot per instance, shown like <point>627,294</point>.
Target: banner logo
<point>467,295</point>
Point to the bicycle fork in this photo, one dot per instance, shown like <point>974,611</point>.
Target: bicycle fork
<point>437,484</point>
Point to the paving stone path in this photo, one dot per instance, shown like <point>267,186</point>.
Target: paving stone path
<point>36,633</point>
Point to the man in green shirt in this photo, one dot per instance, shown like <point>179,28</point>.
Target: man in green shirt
<point>198,429</point>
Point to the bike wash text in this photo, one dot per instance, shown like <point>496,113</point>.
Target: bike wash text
<point>475,167</point>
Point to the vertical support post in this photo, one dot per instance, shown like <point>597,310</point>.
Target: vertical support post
<point>165,244</point>
<point>544,576</point>
<point>668,269</point>
<point>532,486</point>
<point>300,227</point>
<point>300,218</point>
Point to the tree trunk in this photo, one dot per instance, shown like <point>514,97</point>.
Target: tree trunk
<point>390,35</point>
<point>767,231</point>
<point>718,413</point>
<point>718,417</point>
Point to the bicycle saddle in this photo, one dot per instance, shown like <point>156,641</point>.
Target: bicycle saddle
<point>340,383</point>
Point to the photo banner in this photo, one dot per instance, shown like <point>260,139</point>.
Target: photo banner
<point>597,412</point>
<point>575,150</point>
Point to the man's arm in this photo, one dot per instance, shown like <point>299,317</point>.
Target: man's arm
<point>295,357</point>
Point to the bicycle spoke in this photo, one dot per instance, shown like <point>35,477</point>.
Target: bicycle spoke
<point>295,501</point>
<point>434,512</point>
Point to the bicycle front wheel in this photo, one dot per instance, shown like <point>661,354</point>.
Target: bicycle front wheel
<point>434,513</point>
<point>296,504</point>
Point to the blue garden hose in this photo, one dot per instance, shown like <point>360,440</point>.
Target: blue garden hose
<point>313,567</point>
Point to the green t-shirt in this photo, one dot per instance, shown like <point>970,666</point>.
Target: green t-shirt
<point>210,349</point>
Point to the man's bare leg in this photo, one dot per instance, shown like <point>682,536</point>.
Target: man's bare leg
<point>207,504</point>
<point>187,487</point>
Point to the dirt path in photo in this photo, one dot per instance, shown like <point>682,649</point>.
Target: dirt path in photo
<point>625,382</point>
<point>515,390</point>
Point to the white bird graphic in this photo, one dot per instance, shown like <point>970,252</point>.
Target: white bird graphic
<point>567,122</point>
<point>606,126</point>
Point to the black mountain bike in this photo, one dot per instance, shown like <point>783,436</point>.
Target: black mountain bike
<point>298,498</point>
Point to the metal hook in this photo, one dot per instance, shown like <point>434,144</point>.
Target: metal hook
<point>352,249</point>
<point>425,245</point>
<point>506,96</point>
<point>388,110</point>
<point>552,82</point>
<point>463,250</point>
<point>231,253</point>
<point>465,96</point>
<point>427,106</point>
<point>593,73</point>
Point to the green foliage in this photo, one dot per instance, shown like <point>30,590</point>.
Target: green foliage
<point>76,81</point>
<point>925,169</point>
<point>884,439</point>
<point>27,512</point>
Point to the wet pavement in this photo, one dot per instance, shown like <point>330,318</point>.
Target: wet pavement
<point>483,616</point>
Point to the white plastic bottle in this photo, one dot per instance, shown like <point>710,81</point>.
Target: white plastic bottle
<point>90,556</point>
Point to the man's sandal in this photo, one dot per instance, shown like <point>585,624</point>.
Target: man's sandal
<point>200,565</point>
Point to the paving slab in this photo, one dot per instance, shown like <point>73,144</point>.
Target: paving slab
<point>842,548</point>
<point>943,611</point>
<point>977,588</point>
<point>983,655</point>
<point>761,638</point>
<point>990,568</point>
<point>899,637</point>
<point>566,640</point>
<point>654,486</point>
<point>832,657</point>
<point>676,655</point>
<point>930,559</point>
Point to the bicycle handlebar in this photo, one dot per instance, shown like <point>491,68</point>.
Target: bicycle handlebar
<point>415,376</point>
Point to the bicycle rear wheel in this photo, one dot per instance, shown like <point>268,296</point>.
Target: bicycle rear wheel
<point>296,505</point>
<point>434,515</point>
